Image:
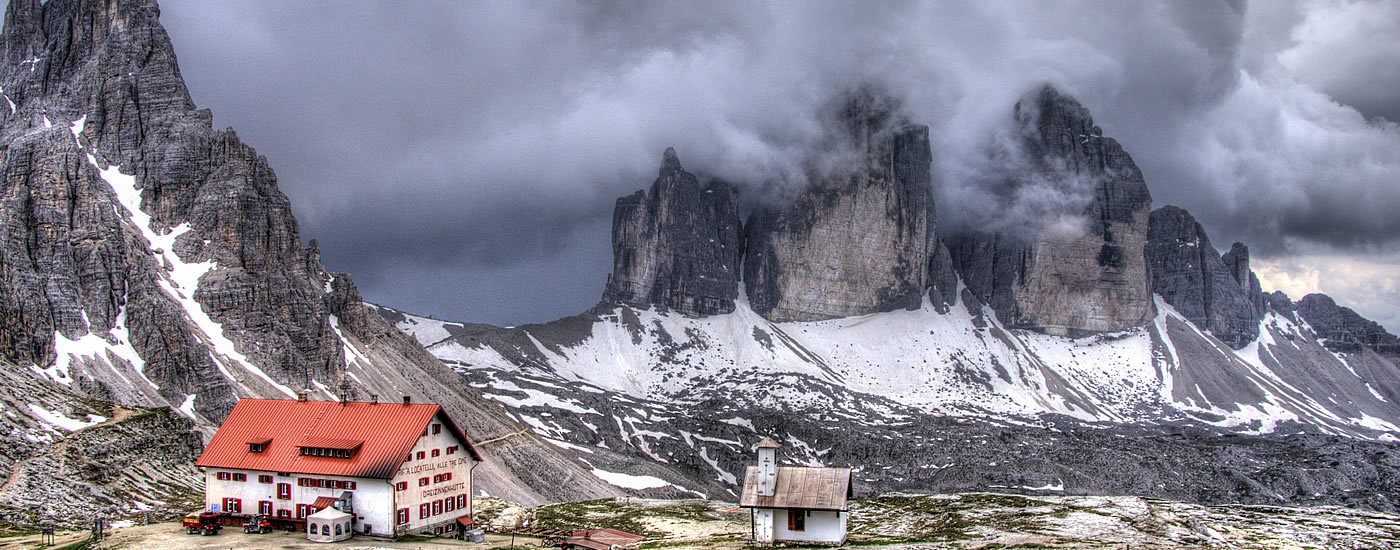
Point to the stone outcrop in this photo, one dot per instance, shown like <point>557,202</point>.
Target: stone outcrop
<point>1083,271</point>
<point>1216,292</point>
<point>860,238</point>
<point>76,262</point>
<point>676,246</point>
<point>1344,329</point>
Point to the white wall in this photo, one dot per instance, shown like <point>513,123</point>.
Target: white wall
<point>372,498</point>
<point>821,526</point>
<point>459,464</point>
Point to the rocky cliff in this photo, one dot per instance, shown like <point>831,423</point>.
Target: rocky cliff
<point>148,260</point>
<point>1081,270</point>
<point>857,240</point>
<point>1217,293</point>
<point>677,244</point>
<point>1344,329</point>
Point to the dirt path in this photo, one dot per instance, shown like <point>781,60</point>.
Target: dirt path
<point>495,439</point>
<point>119,413</point>
<point>170,536</point>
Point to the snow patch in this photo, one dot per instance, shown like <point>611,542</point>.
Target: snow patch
<point>628,481</point>
<point>69,424</point>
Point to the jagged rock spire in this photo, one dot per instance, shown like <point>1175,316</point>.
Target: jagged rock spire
<point>676,246</point>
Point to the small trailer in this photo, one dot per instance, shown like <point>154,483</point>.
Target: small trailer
<point>207,523</point>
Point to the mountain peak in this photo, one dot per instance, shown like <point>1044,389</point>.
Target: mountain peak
<point>670,162</point>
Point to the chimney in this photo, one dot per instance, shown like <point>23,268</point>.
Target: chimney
<point>374,399</point>
<point>301,395</point>
<point>407,399</point>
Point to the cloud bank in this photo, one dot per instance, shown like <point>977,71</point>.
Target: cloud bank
<point>462,159</point>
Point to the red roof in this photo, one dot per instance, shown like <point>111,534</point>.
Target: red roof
<point>323,502</point>
<point>602,539</point>
<point>384,432</point>
<point>465,520</point>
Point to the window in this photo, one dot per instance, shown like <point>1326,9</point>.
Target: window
<point>461,501</point>
<point>437,507</point>
<point>257,447</point>
<point>339,484</point>
<point>302,510</point>
<point>425,431</point>
<point>223,476</point>
<point>437,428</point>
<point>422,482</point>
<point>452,450</point>
<point>401,516</point>
<point>447,476</point>
<point>240,477</point>
<point>401,486</point>
<point>350,485</point>
<point>337,529</point>
<point>367,529</point>
<point>420,455</point>
<point>311,528</point>
<point>437,478</point>
<point>264,479</point>
<point>436,453</point>
<point>265,507</point>
<point>423,510</point>
<point>234,505</point>
<point>450,504</point>
<point>797,520</point>
<point>325,529</point>
<point>284,513</point>
<point>284,491</point>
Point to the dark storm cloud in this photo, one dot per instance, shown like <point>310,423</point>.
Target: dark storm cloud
<point>462,158</point>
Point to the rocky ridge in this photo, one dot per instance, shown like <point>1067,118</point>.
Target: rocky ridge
<point>1127,356</point>
<point>1215,292</point>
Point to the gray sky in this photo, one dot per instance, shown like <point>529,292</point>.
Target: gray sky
<point>461,159</point>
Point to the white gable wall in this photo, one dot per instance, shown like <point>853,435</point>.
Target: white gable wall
<point>414,495</point>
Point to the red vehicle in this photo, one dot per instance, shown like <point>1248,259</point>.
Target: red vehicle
<point>207,523</point>
<point>257,523</point>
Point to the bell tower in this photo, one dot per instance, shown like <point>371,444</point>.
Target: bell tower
<point>767,467</point>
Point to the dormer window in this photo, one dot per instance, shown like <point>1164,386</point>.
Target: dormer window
<point>329,448</point>
<point>258,445</point>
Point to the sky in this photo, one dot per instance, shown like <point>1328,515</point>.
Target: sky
<point>461,159</point>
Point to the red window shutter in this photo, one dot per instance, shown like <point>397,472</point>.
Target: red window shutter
<point>284,513</point>
<point>452,449</point>
<point>449,505</point>
<point>437,428</point>
<point>265,507</point>
<point>422,481</point>
<point>437,507</point>
<point>461,501</point>
<point>350,485</point>
<point>240,477</point>
<point>436,453</point>
<point>403,516</point>
<point>421,455</point>
<point>284,491</point>
<point>423,511</point>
